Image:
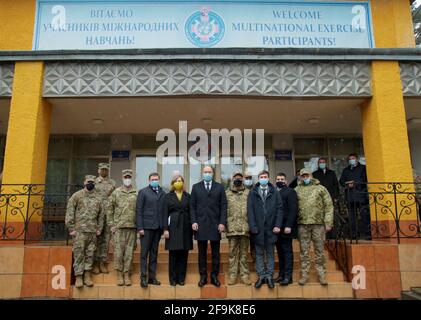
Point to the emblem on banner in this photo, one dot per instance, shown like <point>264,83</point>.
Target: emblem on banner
<point>205,28</point>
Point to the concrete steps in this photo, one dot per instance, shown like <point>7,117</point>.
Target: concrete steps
<point>105,284</point>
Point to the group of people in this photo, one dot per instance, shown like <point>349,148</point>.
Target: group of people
<point>261,216</point>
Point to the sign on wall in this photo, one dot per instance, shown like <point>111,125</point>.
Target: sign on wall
<point>110,24</point>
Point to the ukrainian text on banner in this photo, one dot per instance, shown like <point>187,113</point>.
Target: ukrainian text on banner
<point>107,24</point>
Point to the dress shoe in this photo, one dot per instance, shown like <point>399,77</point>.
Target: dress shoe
<point>259,283</point>
<point>271,283</point>
<point>215,281</point>
<point>173,283</point>
<point>154,282</point>
<point>285,281</point>
<point>143,282</point>
<point>181,283</point>
<point>202,281</point>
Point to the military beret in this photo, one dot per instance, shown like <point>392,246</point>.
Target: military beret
<point>90,178</point>
<point>104,166</point>
<point>127,172</point>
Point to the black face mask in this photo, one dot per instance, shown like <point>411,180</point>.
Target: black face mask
<point>90,186</point>
<point>238,182</point>
<point>280,184</point>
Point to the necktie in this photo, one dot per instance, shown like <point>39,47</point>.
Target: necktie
<point>264,192</point>
<point>208,186</point>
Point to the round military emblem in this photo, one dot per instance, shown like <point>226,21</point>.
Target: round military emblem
<point>204,28</point>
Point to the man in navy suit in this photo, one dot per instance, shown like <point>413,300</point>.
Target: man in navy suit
<point>208,210</point>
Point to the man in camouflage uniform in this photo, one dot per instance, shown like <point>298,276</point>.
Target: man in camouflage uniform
<point>315,218</point>
<point>84,220</point>
<point>121,218</point>
<point>104,186</point>
<point>238,230</point>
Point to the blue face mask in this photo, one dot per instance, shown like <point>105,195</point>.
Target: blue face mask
<point>322,166</point>
<point>307,181</point>
<point>263,182</point>
<point>352,162</point>
<point>207,176</point>
<point>154,184</point>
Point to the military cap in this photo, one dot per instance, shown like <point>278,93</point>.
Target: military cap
<point>127,172</point>
<point>237,173</point>
<point>305,171</point>
<point>90,178</point>
<point>104,166</point>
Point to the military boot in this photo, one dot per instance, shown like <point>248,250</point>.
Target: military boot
<point>303,280</point>
<point>322,280</point>
<point>246,281</point>
<point>127,280</point>
<point>232,281</point>
<point>120,280</point>
<point>103,267</point>
<point>79,282</point>
<point>95,268</point>
<point>87,279</point>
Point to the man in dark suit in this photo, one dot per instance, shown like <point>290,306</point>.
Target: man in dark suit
<point>208,210</point>
<point>149,224</point>
<point>354,179</point>
<point>327,179</point>
<point>289,223</point>
<point>264,209</point>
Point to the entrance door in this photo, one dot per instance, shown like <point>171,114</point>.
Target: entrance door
<point>145,163</point>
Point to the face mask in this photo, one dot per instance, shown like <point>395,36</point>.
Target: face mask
<point>352,162</point>
<point>248,182</point>
<point>322,166</point>
<point>127,182</point>
<point>154,184</point>
<point>307,181</point>
<point>280,184</point>
<point>207,176</point>
<point>178,185</point>
<point>90,186</point>
<point>264,182</point>
<point>238,182</point>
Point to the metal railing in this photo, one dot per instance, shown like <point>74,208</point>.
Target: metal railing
<point>34,212</point>
<point>374,211</point>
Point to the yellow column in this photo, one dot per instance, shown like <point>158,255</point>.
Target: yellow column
<point>26,151</point>
<point>385,132</point>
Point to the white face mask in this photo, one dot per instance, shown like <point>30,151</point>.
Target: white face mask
<point>127,182</point>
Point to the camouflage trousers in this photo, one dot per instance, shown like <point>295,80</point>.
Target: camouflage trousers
<point>84,245</point>
<point>307,234</point>
<point>124,247</point>
<point>101,254</point>
<point>238,250</point>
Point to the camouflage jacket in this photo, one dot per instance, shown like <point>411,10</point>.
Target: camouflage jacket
<point>104,187</point>
<point>121,208</point>
<point>85,212</point>
<point>315,205</point>
<point>237,220</point>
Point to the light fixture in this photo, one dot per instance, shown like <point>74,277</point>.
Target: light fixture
<point>313,121</point>
<point>97,121</point>
<point>206,121</point>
